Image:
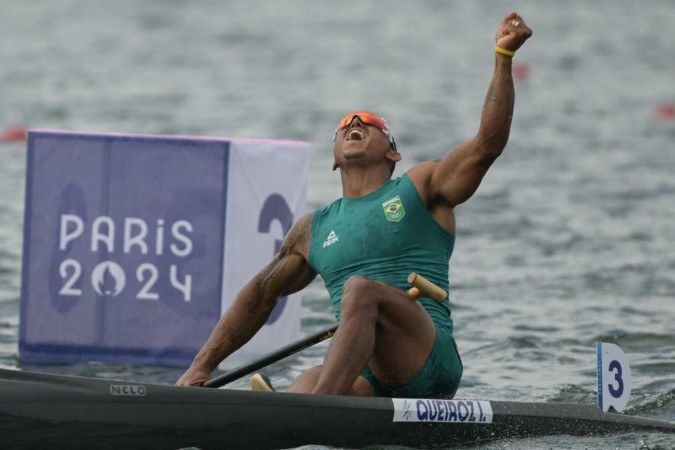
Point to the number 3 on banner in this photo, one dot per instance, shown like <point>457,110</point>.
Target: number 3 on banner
<point>613,377</point>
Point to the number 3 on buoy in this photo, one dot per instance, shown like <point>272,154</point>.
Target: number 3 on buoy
<point>613,377</point>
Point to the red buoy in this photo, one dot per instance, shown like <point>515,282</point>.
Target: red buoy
<point>14,133</point>
<point>665,111</point>
<point>520,71</point>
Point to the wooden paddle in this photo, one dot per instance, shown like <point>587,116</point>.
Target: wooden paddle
<point>421,287</point>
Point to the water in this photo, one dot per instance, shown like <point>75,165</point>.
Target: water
<point>570,239</point>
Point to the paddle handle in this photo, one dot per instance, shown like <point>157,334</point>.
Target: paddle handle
<point>427,288</point>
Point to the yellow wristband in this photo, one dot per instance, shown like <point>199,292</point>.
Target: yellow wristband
<point>504,51</point>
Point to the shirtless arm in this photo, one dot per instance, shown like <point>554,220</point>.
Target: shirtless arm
<point>287,273</point>
<point>454,179</point>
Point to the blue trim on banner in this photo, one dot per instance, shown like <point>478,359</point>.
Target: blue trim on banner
<point>32,352</point>
<point>55,353</point>
<point>193,140</point>
<point>27,219</point>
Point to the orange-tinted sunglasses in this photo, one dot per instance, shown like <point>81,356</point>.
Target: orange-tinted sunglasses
<point>368,118</point>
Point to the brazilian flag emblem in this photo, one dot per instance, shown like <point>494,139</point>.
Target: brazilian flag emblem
<point>393,209</point>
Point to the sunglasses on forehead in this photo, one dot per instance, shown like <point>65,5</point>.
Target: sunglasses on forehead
<point>368,118</point>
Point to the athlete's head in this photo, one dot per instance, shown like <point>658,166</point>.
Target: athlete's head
<point>367,118</point>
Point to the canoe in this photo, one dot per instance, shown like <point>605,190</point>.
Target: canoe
<point>40,410</point>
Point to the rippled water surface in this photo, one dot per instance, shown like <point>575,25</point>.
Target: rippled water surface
<point>570,240</point>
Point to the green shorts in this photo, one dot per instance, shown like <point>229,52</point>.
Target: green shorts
<point>439,378</point>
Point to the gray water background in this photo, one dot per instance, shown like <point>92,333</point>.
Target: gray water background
<point>570,239</point>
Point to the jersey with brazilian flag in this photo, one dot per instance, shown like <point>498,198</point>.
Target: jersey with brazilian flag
<point>382,236</point>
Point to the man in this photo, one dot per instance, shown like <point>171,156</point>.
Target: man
<point>365,244</point>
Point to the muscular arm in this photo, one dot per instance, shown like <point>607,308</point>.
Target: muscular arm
<point>288,272</point>
<point>454,179</point>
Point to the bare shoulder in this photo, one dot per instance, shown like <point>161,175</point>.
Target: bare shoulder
<point>299,237</point>
<point>420,175</point>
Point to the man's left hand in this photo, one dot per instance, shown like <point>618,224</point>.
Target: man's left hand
<point>512,32</point>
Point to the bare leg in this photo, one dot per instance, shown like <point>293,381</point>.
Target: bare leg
<point>307,380</point>
<point>381,326</point>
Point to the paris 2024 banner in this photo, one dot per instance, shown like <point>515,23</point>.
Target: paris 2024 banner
<point>134,245</point>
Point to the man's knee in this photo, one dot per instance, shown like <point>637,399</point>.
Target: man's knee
<point>359,293</point>
<point>362,286</point>
<point>365,298</point>
<point>355,285</point>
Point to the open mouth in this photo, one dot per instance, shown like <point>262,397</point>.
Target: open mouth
<point>355,135</point>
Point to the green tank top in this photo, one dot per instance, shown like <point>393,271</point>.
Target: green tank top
<point>382,236</point>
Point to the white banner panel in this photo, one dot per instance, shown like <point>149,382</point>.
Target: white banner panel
<point>267,193</point>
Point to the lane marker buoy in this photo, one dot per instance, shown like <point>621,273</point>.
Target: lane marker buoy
<point>14,133</point>
<point>520,71</point>
<point>665,111</point>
